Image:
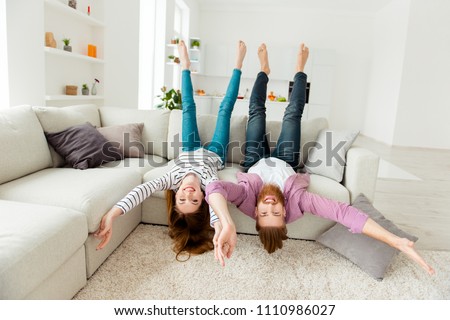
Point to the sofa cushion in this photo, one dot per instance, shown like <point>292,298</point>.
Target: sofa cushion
<point>126,137</point>
<point>328,157</point>
<point>310,130</point>
<point>328,188</point>
<point>92,192</point>
<point>83,146</point>
<point>55,119</point>
<point>154,133</point>
<point>21,135</point>
<point>141,165</point>
<point>372,256</point>
<point>35,241</point>
<point>206,124</point>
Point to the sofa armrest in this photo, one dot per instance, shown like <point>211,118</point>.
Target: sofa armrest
<point>361,172</point>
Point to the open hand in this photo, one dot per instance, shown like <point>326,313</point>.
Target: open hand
<point>104,232</point>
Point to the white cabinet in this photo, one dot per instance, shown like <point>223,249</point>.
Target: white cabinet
<point>221,58</point>
<point>73,68</point>
<point>216,60</point>
<point>282,59</point>
<point>203,104</point>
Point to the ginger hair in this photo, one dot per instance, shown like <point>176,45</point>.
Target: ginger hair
<point>272,237</point>
<point>191,233</point>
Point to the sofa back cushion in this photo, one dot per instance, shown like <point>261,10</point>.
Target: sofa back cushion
<point>206,125</point>
<point>56,119</point>
<point>309,132</point>
<point>154,133</point>
<point>23,144</point>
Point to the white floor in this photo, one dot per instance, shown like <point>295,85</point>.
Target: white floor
<point>387,170</point>
<point>413,190</point>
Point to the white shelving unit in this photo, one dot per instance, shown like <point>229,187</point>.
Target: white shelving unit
<point>71,55</point>
<point>65,97</point>
<point>194,55</point>
<point>65,9</point>
<point>73,68</point>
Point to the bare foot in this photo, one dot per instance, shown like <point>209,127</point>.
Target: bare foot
<point>263,59</point>
<point>184,56</point>
<point>302,57</point>
<point>407,247</point>
<point>242,50</point>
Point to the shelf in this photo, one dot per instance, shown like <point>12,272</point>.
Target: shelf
<point>65,97</point>
<point>71,55</point>
<point>64,8</point>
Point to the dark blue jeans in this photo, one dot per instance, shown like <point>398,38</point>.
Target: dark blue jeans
<point>288,144</point>
<point>189,132</point>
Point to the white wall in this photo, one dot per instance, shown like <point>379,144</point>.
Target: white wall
<point>408,103</point>
<point>390,30</point>
<point>25,42</point>
<point>423,117</point>
<point>348,34</point>
<point>122,53</point>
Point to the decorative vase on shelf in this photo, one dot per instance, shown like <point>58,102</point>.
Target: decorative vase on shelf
<point>73,4</point>
<point>50,40</point>
<point>94,87</point>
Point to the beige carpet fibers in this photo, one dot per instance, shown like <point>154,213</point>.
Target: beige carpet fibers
<point>144,267</point>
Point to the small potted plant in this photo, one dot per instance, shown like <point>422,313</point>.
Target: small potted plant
<point>173,59</point>
<point>171,99</point>
<point>67,46</point>
<point>85,90</point>
<point>195,44</point>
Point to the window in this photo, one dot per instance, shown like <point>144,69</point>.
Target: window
<point>180,21</point>
<point>151,51</point>
<point>4,82</point>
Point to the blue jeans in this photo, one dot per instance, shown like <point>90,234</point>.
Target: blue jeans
<point>288,144</point>
<point>189,133</point>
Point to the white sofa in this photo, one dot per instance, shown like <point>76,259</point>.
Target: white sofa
<point>48,210</point>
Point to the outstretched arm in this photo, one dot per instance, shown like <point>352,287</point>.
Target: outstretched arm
<point>374,230</point>
<point>227,238</point>
<point>358,222</point>
<point>131,200</point>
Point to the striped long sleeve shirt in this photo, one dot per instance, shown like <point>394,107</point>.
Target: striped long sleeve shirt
<point>205,164</point>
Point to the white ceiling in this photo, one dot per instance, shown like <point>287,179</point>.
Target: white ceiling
<point>366,6</point>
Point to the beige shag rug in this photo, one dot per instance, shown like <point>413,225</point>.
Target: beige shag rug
<point>144,267</point>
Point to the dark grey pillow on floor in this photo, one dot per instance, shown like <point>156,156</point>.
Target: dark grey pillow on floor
<point>371,255</point>
<point>83,147</point>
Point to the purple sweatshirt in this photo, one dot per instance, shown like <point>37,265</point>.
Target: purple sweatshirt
<point>244,195</point>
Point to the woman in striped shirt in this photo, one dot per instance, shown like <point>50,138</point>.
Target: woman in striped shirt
<point>190,219</point>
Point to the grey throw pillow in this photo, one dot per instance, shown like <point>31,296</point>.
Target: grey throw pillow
<point>127,137</point>
<point>328,157</point>
<point>82,146</point>
<point>371,255</point>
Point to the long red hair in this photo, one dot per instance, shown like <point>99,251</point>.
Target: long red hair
<point>191,233</point>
